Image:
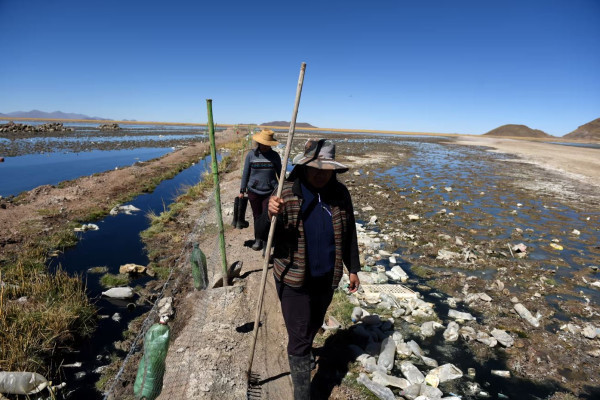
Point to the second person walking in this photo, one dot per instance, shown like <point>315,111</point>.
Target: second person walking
<point>260,176</point>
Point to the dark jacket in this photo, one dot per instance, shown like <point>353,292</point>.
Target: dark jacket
<point>260,172</point>
<point>289,256</point>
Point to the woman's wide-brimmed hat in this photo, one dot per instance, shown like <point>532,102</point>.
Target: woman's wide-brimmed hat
<point>319,153</point>
<point>265,137</point>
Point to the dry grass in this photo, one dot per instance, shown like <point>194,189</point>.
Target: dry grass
<point>39,312</point>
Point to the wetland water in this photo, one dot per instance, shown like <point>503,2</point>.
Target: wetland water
<point>117,242</point>
<point>477,203</point>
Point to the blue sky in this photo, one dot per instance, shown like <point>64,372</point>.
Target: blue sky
<point>425,66</point>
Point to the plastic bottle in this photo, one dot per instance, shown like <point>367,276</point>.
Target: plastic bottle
<point>149,379</point>
<point>199,269</point>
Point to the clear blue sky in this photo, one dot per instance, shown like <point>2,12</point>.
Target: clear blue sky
<point>426,66</point>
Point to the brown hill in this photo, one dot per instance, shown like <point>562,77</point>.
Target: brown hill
<point>517,131</point>
<point>286,123</point>
<point>589,131</point>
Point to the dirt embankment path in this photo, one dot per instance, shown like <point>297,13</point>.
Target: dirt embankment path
<point>209,353</point>
<point>578,163</point>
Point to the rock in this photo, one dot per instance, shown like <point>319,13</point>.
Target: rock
<point>526,315</point>
<point>519,248</point>
<point>428,328</point>
<point>165,307</point>
<point>411,373</point>
<point>502,337</point>
<point>378,390</point>
<point>132,269</point>
<point>389,380</point>
<point>443,373</point>
<point>486,339</point>
<point>403,350</point>
<point>464,316</point>
<point>589,332</point>
<point>467,333</point>
<point>451,332</point>
<point>119,293</point>
<point>398,270</point>
<point>447,255</point>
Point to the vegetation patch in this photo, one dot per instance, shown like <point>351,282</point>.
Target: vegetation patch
<point>114,280</point>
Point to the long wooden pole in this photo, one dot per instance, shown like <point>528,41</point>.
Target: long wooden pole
<point>215,171</point>
<point>288,147</point>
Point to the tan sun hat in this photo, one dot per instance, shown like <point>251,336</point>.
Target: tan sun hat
<point>265,137</point>
<point>319,153</point>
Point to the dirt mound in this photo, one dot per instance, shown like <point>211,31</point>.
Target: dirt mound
<point>589,131</point>
<point>512,130</point>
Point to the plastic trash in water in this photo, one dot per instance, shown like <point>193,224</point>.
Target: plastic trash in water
<point>26,383</point>
<point>199,269</point>
<point>149,379</point>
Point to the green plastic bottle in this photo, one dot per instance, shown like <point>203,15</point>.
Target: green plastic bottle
<point>149,379</point>
<point>199,269</point>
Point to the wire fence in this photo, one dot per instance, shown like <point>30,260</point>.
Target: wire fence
<point>152,366</point>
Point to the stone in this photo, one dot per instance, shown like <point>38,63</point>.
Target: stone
<point>451,332</point>
<point>428,328</point>
<point>132,269</point>
<point>403,350</point>
<point>464,316</point>
<point>503,337</point>
<point>165,306</point>
<point>444,373</point>
<point>467,333</point>
<point>486,339</point>
<point>589,332</point>
<point>447,255</point>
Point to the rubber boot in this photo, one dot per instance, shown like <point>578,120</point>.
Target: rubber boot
<point>258,245</point>
<point>241,216</point>
<point>300,372</point>
<point>236,206</point>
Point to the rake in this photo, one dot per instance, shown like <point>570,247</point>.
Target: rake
<point>254,379</point>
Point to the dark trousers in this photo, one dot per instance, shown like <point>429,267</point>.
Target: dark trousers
<point>258,203</point>
<point>303,311</point>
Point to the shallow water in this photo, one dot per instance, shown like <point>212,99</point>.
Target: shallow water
<point>117,242</point>
<point>26,172</point>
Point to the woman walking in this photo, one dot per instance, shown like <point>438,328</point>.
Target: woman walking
<point>260,176</point>
<point>315,236</point>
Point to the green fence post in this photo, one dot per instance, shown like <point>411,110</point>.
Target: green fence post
<point>215,171</point>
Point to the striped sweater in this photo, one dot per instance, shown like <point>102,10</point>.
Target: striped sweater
<point>289,256</point>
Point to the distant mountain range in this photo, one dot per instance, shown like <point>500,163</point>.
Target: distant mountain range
<point>51,115</point>
<point>287,123</point>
